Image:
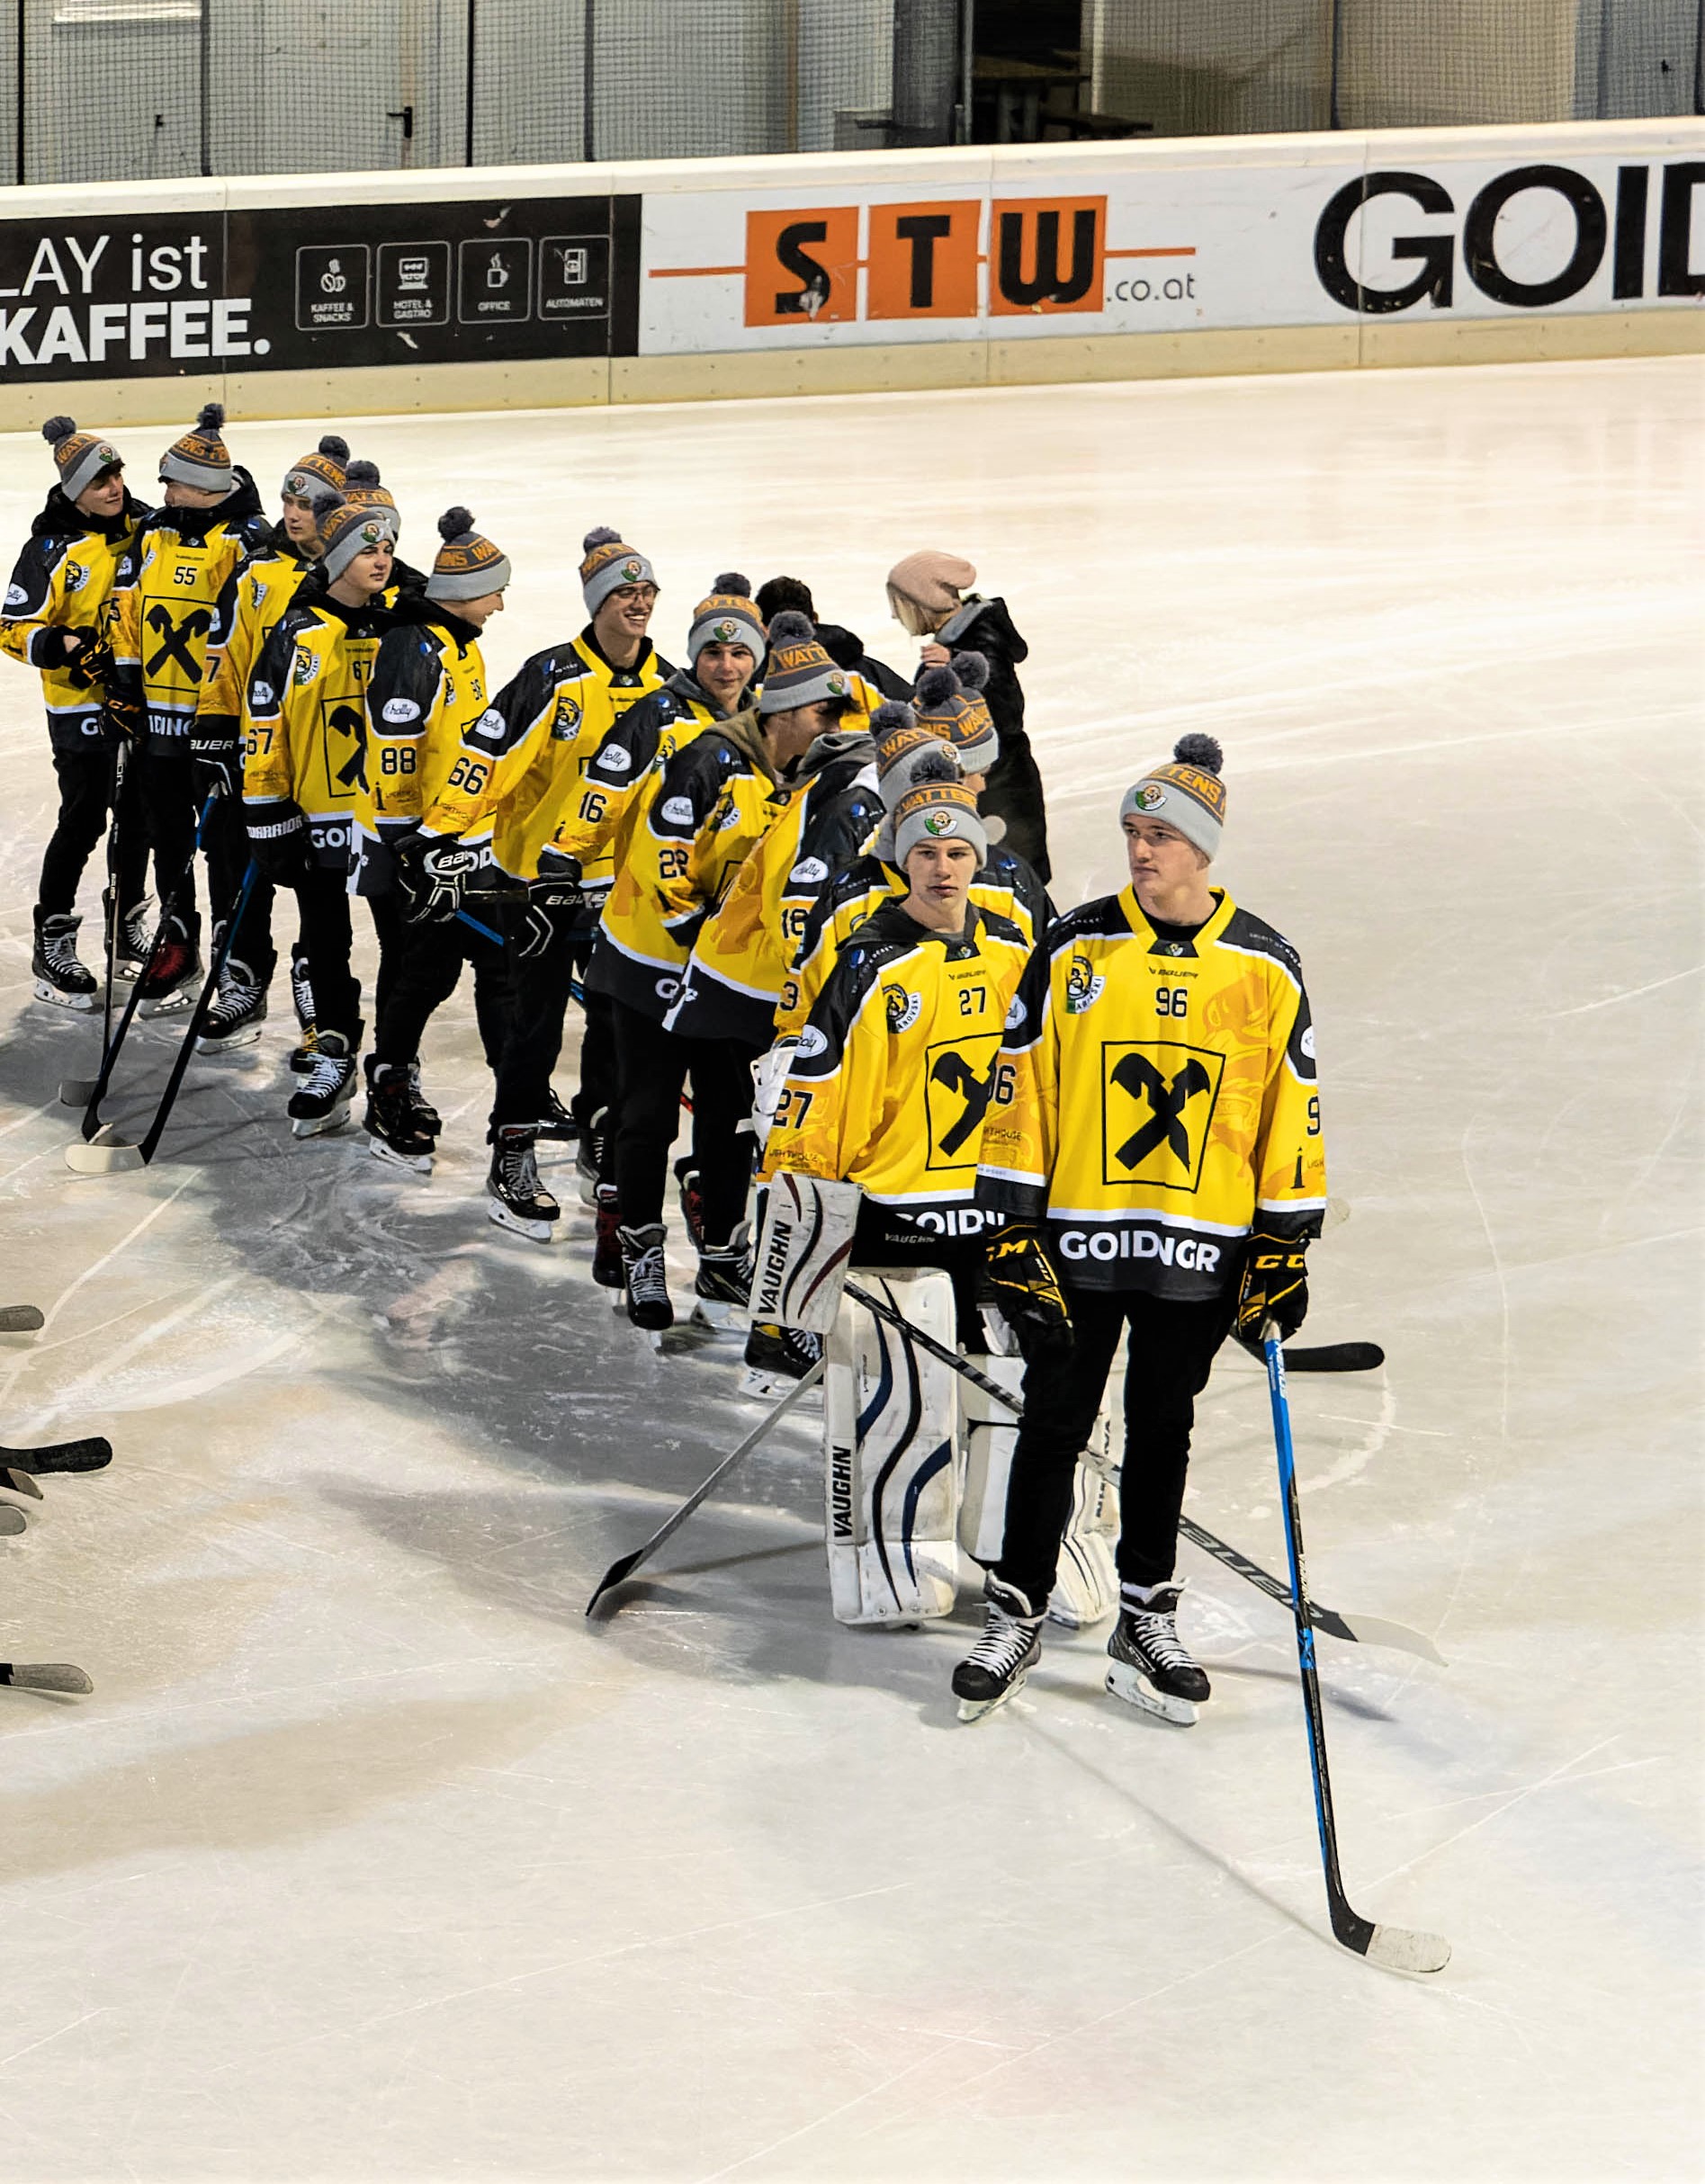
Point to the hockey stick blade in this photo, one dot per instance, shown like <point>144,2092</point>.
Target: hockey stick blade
<point>111,1158</point>
<point>45,1676</point>
<point>21,1319</point>
<point>19,1482</point>
<point>93,1454</point>
<point>624,1565</point>
<point>1336,1358</point>
<point>12,1522</point>
<point>1405,1948</point>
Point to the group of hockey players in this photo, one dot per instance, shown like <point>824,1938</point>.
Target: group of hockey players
<point>801,907</point>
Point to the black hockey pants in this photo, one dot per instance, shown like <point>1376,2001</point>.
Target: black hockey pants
<point>428,961</point>
<point>85,798</point>
<point>653,1067</point>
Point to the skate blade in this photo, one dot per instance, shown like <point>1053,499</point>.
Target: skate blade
<point>588,1194</point>
<point>319,1125</point>
<point>75,1091</point>
<point>410,1163</point>
<point>229,1044</point>
<point>535,1231</point>
<point>128,972</point>
<point>98,1158</point>
<point>168,1005</point>
<point>759,1381</point>
<point>979,1709</point>
<point>79,1003</point>
<point>1135,1690</point>
<point>718,1316</point>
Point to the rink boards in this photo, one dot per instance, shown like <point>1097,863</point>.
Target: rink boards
<point>684,280</point>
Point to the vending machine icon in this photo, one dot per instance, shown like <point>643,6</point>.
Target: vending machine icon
<point>574,276</point>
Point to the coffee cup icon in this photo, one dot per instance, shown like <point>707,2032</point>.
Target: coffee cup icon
<point>332,281</point>
<point>497,274</point>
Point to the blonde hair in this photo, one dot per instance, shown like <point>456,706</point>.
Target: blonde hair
<point>914,619</point>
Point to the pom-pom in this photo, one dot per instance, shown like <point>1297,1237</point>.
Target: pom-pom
<point>890,716</point>
<point>935,686</point>
<point>791,628</point>
<point>334,445</point>
<point>1199,750</point>
<point>939,763</point>
<point>602,536</point>
<point>56,429</point>
<point>360,473</point>
<point>731,581</point>
<point>972,670</point>
<point>454,523</point>
<point>210,417</point>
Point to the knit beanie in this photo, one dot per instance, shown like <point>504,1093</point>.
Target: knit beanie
<point>361,486</point>
<point>608,565</point>
<point>81,456</point>
<point>932,581</point>
<point>200,457</point>
<point>902,742</point>
<point>350,527</point>
<point>799,671</point>
<point>1188,795</point>
<point>938,808</point>
<point>468,566</point>
<point>728,617</point>
<point>954,709</point>
<point>310,479</point>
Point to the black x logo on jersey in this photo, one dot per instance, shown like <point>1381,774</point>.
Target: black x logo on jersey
<point>349,721</point>
<point>951,1069</point>
<point>1138,1075</point>
<point>176,638</point>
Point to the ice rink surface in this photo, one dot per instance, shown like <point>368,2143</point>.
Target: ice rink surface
<point>369,1859</point>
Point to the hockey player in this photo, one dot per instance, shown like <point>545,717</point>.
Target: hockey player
<point>164,599</point>
<point>931,597</point>
<point>843,645</point>
<point>428,688</point>
<point>304,747</point>
<point>1155,1146</point>
<point>714,803</point>
<point>55,618</point>
<point>252,603</point>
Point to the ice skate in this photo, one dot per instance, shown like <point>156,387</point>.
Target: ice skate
<point>133,940</point>
<point>391,1120</point>
<point>1150,1669</point>
<point>588,1156</point>
<point>607,1245</point>
<point>557,1125</point>
<point>645,1279</point>
<point>519,1201</point>
<point>302,995</point>
<point>724,1283</point>
<point>1008,1649</point>
<point>778,1356</point>
<point>60,977</point>
<point>692,1199</point>
<point>236,1018</point>
<point>324,1101</point>
<point>427,1116</point>
<point>168,987</point>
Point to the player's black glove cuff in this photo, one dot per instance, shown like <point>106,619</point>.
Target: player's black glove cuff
<point>278,841</point>
<point>1020,1281</point>
<point>432,873</point>
<point>1274,1287</point>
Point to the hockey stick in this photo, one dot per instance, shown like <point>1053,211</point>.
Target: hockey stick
<point>1336,1358</point>
<point>1399,1949</point>
<point>109,1157</point>
<point>20,1318</point>
<point>12,1522</point>
<point>44,1676</point>
<point>88,1092</point>
<point>625,1565</point>
<point>93,1454</point>
<point>1360,1630</point>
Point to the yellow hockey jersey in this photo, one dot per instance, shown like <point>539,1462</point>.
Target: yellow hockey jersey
<point>63,580</point>
<point>1156,1098</point>
<point>891,1077</point>
<point>255,599</point>
<point>304,718</point>
<point>164,599</point>
<point>427,689</point>
<point>625,768</point>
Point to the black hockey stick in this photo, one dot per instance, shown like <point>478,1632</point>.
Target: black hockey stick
<point>1361,1630</point>
<point>1336,1358</point>
<point>108,1156</point>
<point>88,1092</point>
<point>20,1318</point>
<point>93,1454</point>
<point>12,1522</point>
<point>625,1565</point>
<point>1399,1949</point>
<point>44,1676</point>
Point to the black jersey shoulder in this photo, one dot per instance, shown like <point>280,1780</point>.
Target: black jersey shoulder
<point>1255,937</point>
<point>1104,918</point>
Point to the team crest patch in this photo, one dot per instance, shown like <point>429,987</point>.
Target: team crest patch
<point>632,571</point>
<point>1149,797</point>
<point>904,1008</point>
<point>940,822</point>
<point>1016,1014</point>
<point>1083,987</point>
<point>297,483</point>
<point>567,720</point>
<point>838,686</point>
<point>76,576</point>
<point>724,632</point>
<point>307,666</point>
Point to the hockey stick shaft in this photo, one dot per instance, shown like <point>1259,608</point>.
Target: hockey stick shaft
<point>198,1014</point>
<point>624,1567</point>
<point>114,911</point>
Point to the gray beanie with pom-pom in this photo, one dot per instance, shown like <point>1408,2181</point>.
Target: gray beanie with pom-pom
<point>200,457</point>
<point>1186,794</point>
<point>609,564</point>
<point>728,617</point>
<point>81,456</point>
<point>467,567</point>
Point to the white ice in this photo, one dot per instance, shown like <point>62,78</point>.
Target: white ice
<point>369,1859</point>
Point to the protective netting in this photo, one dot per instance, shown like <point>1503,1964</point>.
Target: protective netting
<point>134,89</point>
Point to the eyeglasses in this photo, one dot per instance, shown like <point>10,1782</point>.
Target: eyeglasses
<point>646,594</point>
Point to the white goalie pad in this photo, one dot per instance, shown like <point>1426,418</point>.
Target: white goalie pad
<point>769,1074</point>
<point>1086,1587</point>
<point>891,1478</point>
<point>803,1251</point>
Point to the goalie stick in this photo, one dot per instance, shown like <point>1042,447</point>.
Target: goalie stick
<point>624,1565</point>
<point>21,1319</point>
<point>44,1676</point>
<point>1399,1949</point>
<point>1360,1630</point>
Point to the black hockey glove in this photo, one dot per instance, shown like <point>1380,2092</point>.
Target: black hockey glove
<point>1275,1286</point>
<point>91,662</point>
<point>216,756</point>
<point>278,841</point>
<point>432,874</point>
<point>1019,1279</point>
<point>123,715</point>
<point>55,648</point>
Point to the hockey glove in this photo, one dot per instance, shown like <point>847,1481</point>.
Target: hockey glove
<point>91,662</point>
<point>1019,1280</point>
<point>216,757</point>
<point>278,841</point>
<point>123,715</point>
<point>1275,1286</point>
<point>432,876</point>
<point>55,648</point>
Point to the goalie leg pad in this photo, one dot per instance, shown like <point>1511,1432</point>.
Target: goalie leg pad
<point>802,1252</point>
<point>1086,1586</point>
<point>890,1475</point>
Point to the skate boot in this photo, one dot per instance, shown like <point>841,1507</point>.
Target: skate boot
<point>168,987</point>
<point>302,995</point>
<point>392,1121</point>
<point>427,1116</point>
<point>647,1284</point>
<point>130,957</point>
<point>327,1090</point>
<point>1150,1669</point>
<point>778,1356</point>
<point>1008,1649</point>
<point>590,1153</point>
<point>607,1247</point>
<point>59,977</point>
<point>519,1201</point>
<point>236,1018</point>
<point>724,1285</point>
<point>692,1199</point>
<point>557,1125</point>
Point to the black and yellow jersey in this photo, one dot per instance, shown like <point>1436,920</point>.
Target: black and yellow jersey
<point>729,986</point>
<point>63,580</point>
<point>164,598</point>
<point>625,767</point>
<point>1157,1098</point>
<point>304,719</point>
<point>1004,884</point>
<point>522,763</point>
<point>428,689</point>
<point>255,599</point>
<point>892,1076</point>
